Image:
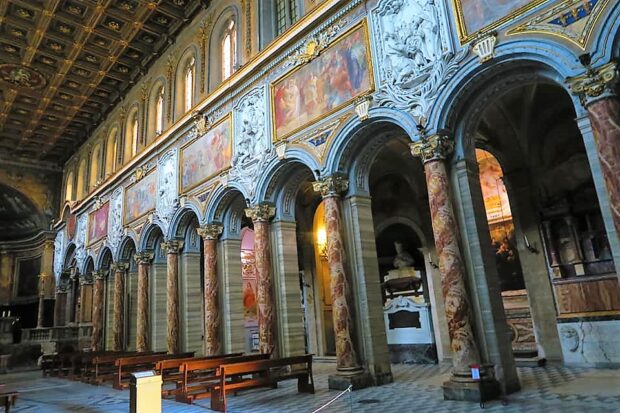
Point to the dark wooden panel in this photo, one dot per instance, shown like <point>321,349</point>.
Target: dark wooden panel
<point>582,296</point>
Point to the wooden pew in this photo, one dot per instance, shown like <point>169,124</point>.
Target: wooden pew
<point>49,363</point>
<point>200,375</point>
<point>169,370</point>
<point>87,371</point>
<point>7,399</point>
<point>261,373</point>
<point>126,365</point>
<point>104,369</point>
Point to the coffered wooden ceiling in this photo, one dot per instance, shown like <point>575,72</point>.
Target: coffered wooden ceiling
<point>65,63</point>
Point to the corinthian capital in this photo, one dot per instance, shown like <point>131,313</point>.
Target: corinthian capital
<point>595,83</point>
<point>119,266</point>
<point>210,231</point>
<point>172,246</point>
<point>433,148</point>
<point>260,212</point>
<point>143,257</point>
<point>332,185</point>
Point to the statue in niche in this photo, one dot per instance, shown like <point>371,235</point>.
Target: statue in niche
<point>403,259</point>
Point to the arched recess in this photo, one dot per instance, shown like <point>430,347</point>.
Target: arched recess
<point>86,292</point>
<point>186,81</point>
<point>82,179</point>
<point>191,283</point>
<point>522,113</point>
<point>95,169</point>
<point>156,112</point>
<point>227,22</point>
<point>20,218</point>
<point>132,133</point>
<point>127,252</point>
<point>111,151</point>
<point>69,186</point>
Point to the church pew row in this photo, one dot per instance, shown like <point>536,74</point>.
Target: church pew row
<point>198,376</point>
<point>261,373</point>
<point>124,366</point>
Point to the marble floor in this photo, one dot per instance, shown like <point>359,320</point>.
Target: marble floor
<point>416,389</point>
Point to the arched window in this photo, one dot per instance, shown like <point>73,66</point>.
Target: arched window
<point>134,134</point>
<point>69,187</point>
<point>229,49</point>
<point>189,85</point>
<point>82,182</point>
<point>111,151</point>
<point>159,111</point>
<point>287,13</point>
<point>95,161</point>
<point>131,136</point>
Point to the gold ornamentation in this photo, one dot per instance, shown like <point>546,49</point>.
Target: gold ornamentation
<point>260,212</point>
<point>119,266</point>
<point>172,246</point>
<point>594,83</point>
<point>332,185</point>
<point>433,148</point>
<point>210,231</point>
<point>201,123</point>
<point>99,275</point>
<point>140,173</point>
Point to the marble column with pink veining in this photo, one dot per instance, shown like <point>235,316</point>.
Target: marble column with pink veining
<point>260,215</point>
<point>597,89</point>
<point>346,356</point>
<point>118,315</point>
<point>172,293</point>
<point>433,151</point>
<point>143,259</point>
<point>96,339</point>
<point>210,234</point>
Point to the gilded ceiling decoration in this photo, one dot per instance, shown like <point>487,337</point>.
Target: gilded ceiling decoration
<point>64,64</point>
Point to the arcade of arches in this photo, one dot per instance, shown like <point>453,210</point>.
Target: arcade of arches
<point>350,180</point>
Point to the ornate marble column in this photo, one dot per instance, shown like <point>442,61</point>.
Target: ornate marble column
<point>45,280</point>
<point>120,269</point>
<point>59,306</point>
<point>97,336</point>
<point>433,151</point>
<point>70,315</point>
<point>84,281</point>
<point>598,94</point>
<point>210,234</point>
<point>260,215</point>
<point>172,292</point>
<point>143,259</point>
<point>330,189</point>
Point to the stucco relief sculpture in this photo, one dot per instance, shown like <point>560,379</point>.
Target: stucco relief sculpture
<point>252,147</point>
<point>167,187</point>
<point>414,55</point>
<point>80,238</point>
<point>115,221</point>
<point>59,250</point>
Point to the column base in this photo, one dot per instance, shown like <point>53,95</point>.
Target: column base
<point>461,387</point>
<point>345,377</point>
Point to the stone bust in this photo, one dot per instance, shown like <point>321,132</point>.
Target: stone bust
<point>403,259</point>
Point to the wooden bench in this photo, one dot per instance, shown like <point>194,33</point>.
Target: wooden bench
<point>88,367</point>
<point>261,373</point>
<point>7,399</point>
<point>170,374</point>
<point>104,369</point>
<point>200,375</point>
<point>126,365</point>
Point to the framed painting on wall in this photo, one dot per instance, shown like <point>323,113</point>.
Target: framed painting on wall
<point>476,16</point>
<point>335,78</point>
<point>98,224</point>
<point>206,156</point>
<point>140,198</point>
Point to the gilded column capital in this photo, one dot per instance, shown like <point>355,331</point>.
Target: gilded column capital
<point>432,148</point>
<point>595,83</point>
<point>173,246</point>
<point>143,257</point>
<point>332,185</point>
<point>210,231</point>
<point>99,275</point>
<point>119,266</point>
<point>260,212</point>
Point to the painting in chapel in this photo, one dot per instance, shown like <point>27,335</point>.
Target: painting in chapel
<point>476,15</point>
<point>206,156</point>
<point>248,275</point>
<point>140,198</point>
<point>338,75</point>
<point>98,223</point>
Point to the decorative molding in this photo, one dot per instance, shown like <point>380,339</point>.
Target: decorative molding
<point>144,257</point>
<point>570,20</point>
<point>484,47</point>
<point>332,185</point>
<point>313,46</point>
<point>115,221</point>
<point>261,212</point>
<point>362,105</point>
<point>172,246</point>
<point>596,83</point>
<point>167,188</point>
<point>210,231</point>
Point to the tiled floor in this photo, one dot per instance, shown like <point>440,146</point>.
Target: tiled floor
<point>415,389</point>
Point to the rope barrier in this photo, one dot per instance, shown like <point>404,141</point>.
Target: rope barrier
<point>348,390</point>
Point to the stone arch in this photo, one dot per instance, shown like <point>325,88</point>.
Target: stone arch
<point>606,46</point>
<point>180,219</point>
<point>69,256</point>
<point>127,245</point>
<point>342,149</point>
<point>88,266</point>
<point>226,206</point>
<point>104,259</point>
<point>149,237</point>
